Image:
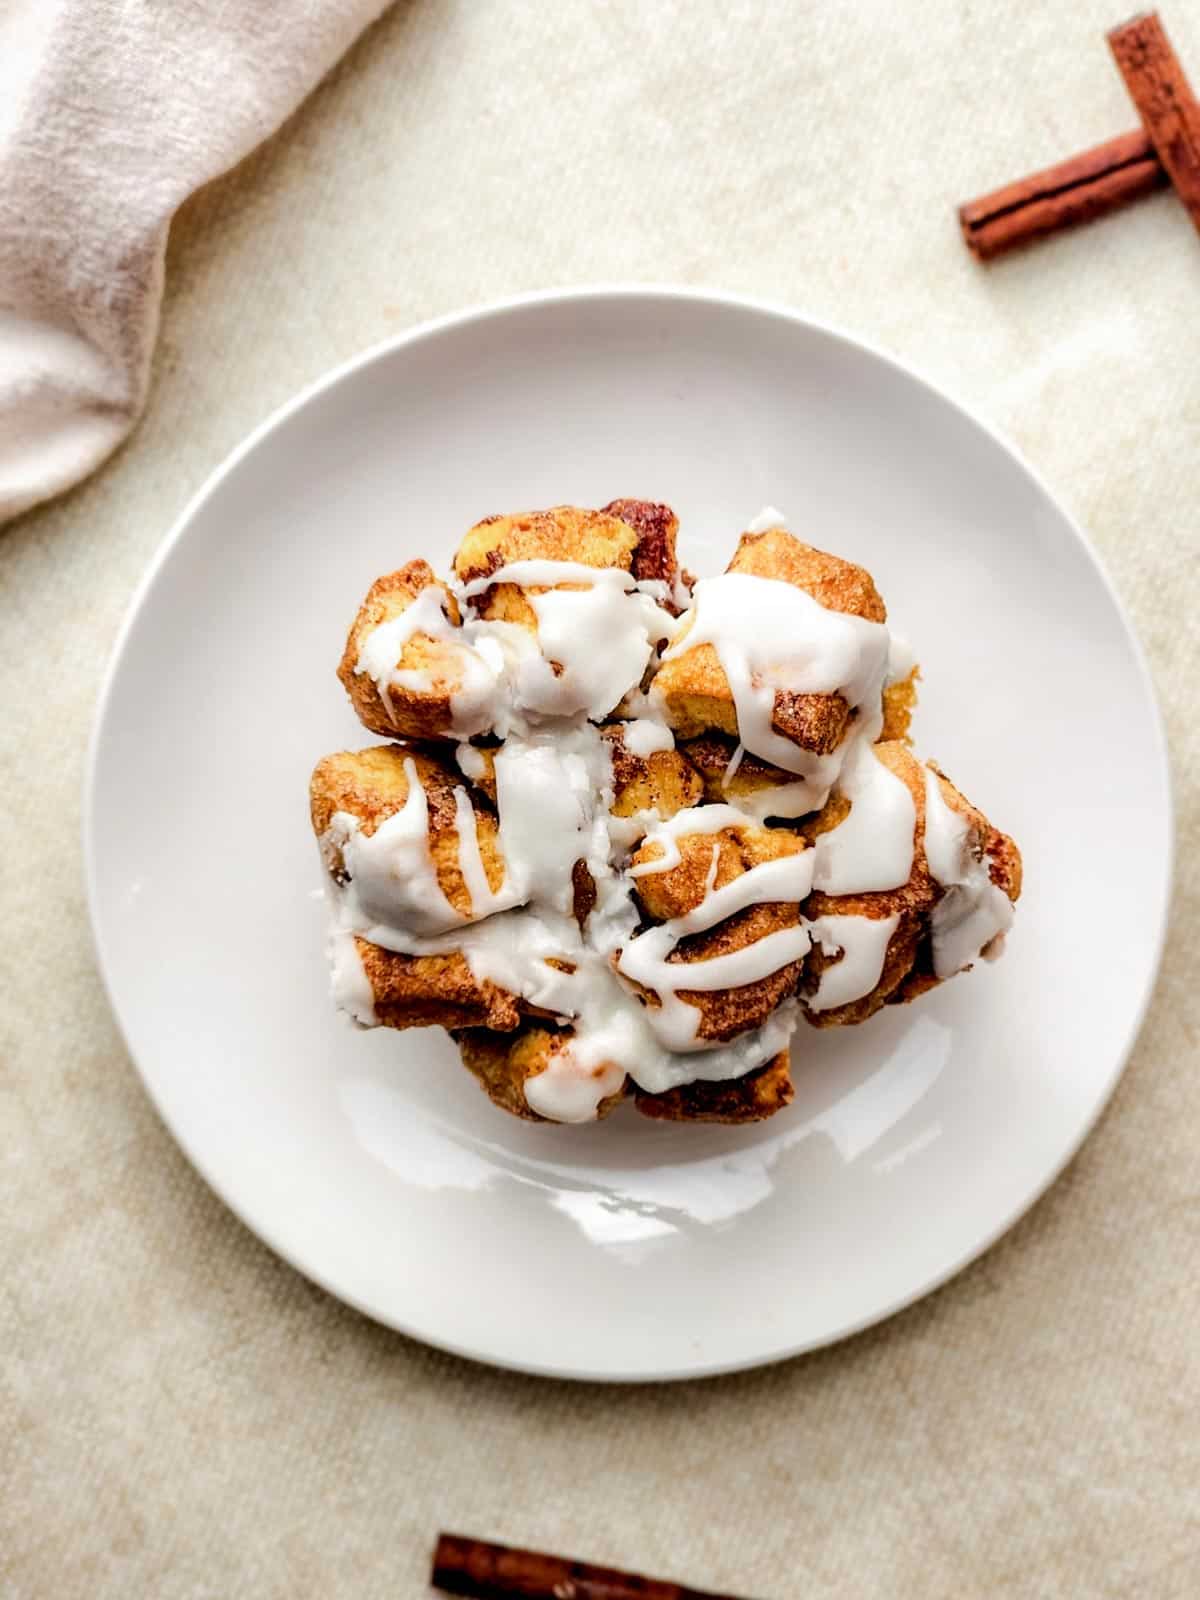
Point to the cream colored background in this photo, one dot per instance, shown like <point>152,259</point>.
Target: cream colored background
<point>182,1415</point>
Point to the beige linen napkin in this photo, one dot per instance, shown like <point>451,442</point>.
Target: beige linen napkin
<point>111,113</point>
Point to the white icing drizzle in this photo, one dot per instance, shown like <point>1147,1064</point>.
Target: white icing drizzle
<point>484,902</point>
<point>601,637</point>
<point>735,761</point>
<point>786,878</point>
<point>767,519</point>
<point>391,872</point>
<point>692,820</point>
<point>637,704</point>
<point>770,635</point>
<point>947,835</point>
<point>596,631</point>
<point>553,793</point>
<point>714,866</point>
<point>872,847</point>
<point>511,651</point>
<point>471,762</point>
<point>540,572</point>
<point>570,1090</point>
<point>972,917</point>
<point>901,659</point>
<point>472,703</point>
<point>673,1020</point>
<point>863,942</point>
<point>594,640</point>
<point>626,833</point>
<point>645,736</point>
<point>351,988</point>
<point>676,594</point>
<point>645,960</point>
<point>573,1085</point>
<point>392,875</point>
<point>782,800</point>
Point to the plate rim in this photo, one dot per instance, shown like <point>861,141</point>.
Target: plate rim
<point>432,328</point>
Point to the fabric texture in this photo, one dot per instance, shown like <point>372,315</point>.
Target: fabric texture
<point>111,113</point>
<point>181,1414</point>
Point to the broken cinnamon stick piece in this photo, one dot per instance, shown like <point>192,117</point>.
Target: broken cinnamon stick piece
<point>1169,111</point>
<point>1080,189</point>
<point>500,1572</point>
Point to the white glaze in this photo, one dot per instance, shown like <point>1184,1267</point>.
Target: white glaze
<point>572,1087</point>
<point>540,572</point>
<point>603,638</point>
<point>626,833</point>
<point>471,762</point>
<point>863,942</point>
<point>675,594</point>
<point>692,820</point>
<point>597,625</point>
<point>714,866</point>
<point>645,960</point>
<point>637,704</point>
<point>872,848</point>
<point>947,835</point>
<point>767,519</point>
<point>787,878</point>
<point>391,872</point>
<point>782,800</point>
<point>645,736</point>
<point>901,659</point>
<point>612,1027</point>
<point>349,984</point>
<point>660,1070</point>
<point>472,703</point>
<point>771,636</point>
<point>552,795</point>
<point>973,915</point>
<point>484,901</point>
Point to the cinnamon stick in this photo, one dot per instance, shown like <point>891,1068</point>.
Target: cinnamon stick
<point>500,1572</point>
<point>1080,189</point>
<point>1159,89</point>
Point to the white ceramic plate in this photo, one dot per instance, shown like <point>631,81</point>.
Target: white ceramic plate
<point>371,1161</point>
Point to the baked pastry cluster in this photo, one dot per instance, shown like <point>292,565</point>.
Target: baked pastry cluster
<point>630,829</point>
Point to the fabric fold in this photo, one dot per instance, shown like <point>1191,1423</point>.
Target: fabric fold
<point>112,112</point>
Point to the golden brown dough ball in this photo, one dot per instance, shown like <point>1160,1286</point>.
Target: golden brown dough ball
<point>563,533</point>
<point>655,526</point>
<point>434,991</point>
<point>693,688</point>
<point>836,584</point>
<point>752,780</point>
<point>503,1063</point>
<point>908,966</point>
<point>663,781</point>
<point>724,1013</point>
<point>1005,868</point>
<point>752,1098</point>
<point>372,785</point>
<point>415,713</point>
<point>679,889</point>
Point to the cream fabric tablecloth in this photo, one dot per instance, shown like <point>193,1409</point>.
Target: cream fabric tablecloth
<point>182,1415</point>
